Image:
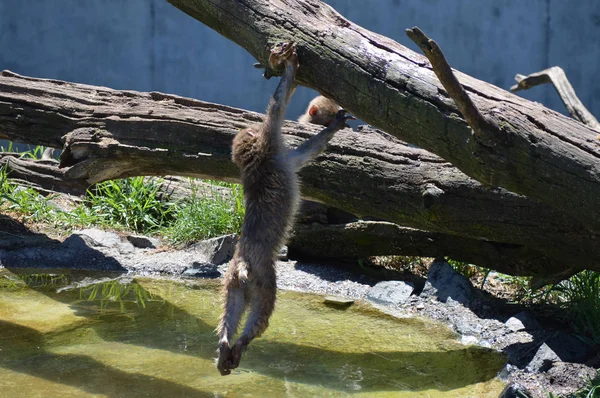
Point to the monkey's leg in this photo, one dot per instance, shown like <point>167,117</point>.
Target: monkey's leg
<point>233,308</point>
<point>315,145</point>
<point>261,297</point>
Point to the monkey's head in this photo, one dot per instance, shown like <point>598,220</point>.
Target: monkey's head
<point>244,146</point>
<point>321,111</point>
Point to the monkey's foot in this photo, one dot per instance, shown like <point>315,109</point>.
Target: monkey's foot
<point>282,54</point>
<point>224,360</point>
<point>236,353</point>
<point>341,117</point>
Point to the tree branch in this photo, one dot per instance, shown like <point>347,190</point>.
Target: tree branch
<point>556,75</point>
<point>442,70</point>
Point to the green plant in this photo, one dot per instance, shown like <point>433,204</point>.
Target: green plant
<point>206,216</point>
<point>580,296</point>
<point>133,203</point>
<point>116,291</point>
<point>31,152</point>
<point>470,271</point>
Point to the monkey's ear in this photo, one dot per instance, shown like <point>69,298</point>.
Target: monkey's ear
<point>313,110</point>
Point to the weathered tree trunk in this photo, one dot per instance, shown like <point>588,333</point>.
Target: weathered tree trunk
<point>318,233</point>
<point>111,134</point>
<point>379,238</point>
<point>529,149</point>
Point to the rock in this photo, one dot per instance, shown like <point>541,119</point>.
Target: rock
<point>203,271</point>
<point>390,292</point>
<point>338,301</point>
<point>467,326</point>
<point>542,360</point>
<point>505,373</point>
<point>216,250</point>
<point>101,238</point>
<point>564,379</point>
<point>283,254</point>
<point>515,390</point>
<point>468,340</point>
<point>522,321</point>
<point>444,282</point>
<point>143,242</point>
<point>78,251</point>
<point>568,347</point>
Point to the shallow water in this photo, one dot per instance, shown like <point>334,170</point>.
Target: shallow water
<point>154,337</point>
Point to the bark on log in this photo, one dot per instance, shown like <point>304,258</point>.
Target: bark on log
<point>112,134</point>
<point>314,236</point>
<point>380,238</point>
<point>534,151</point>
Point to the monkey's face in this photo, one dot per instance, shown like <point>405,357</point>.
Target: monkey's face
<point>323,111</point>
<point>243,146</point>
<point>322,118</point>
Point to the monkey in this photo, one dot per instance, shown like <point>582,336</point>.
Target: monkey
<point>271,195</point>
<point>321,110</point>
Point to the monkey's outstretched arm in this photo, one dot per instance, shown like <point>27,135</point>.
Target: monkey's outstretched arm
<point>281,54</point>
<point>312,147</point>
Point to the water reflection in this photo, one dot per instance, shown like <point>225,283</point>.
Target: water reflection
<point>124,337</point>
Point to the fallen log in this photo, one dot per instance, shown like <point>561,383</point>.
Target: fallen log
<point>380,238</point>
<point>527,148</point>
<point>318,232</point>
<point>113,134</point>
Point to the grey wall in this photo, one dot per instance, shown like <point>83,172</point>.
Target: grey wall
<point>149,45</point>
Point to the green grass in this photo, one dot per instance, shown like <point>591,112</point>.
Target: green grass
<point>131,203</point>
<point>134,204</point>
<point>204,217</point>
<point>580,297</point>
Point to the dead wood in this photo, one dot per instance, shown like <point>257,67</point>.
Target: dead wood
<point>380,238</point>
<point>556,75</point>
<point>112,134</point>
<point>534,151</point>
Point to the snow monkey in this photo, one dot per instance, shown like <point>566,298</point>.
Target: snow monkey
<point>321,111</point>
<point>271,195</point>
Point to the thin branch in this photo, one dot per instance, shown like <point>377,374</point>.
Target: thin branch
<point>443,71</point>
<point>556,75</point>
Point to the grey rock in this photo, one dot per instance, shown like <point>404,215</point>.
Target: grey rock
<point>338,301</point>
<point>506,372</point>
<point>143,242</point>
<point>543,359</point>
<point>568,347</point>
<point>468,340</point>
<point>78,251</point>
<point>203,271</point>
<point>444,282</point>
<point>522,321</point>
<point>390,292</point>
<point>283,254</point>
<point>515,390</point>
<point>467,326</point>
<point>100,237</point>
<point>216,250</point>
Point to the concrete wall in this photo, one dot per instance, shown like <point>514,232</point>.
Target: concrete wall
<point>149,45</point>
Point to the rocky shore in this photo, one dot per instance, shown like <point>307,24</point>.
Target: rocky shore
<point>542,355</point>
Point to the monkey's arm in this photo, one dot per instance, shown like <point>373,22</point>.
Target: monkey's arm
<point>283,54</point>
<point>312,147</point>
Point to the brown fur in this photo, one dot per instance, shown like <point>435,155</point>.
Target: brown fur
<point>321,110</point>
<point>271,190</point>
